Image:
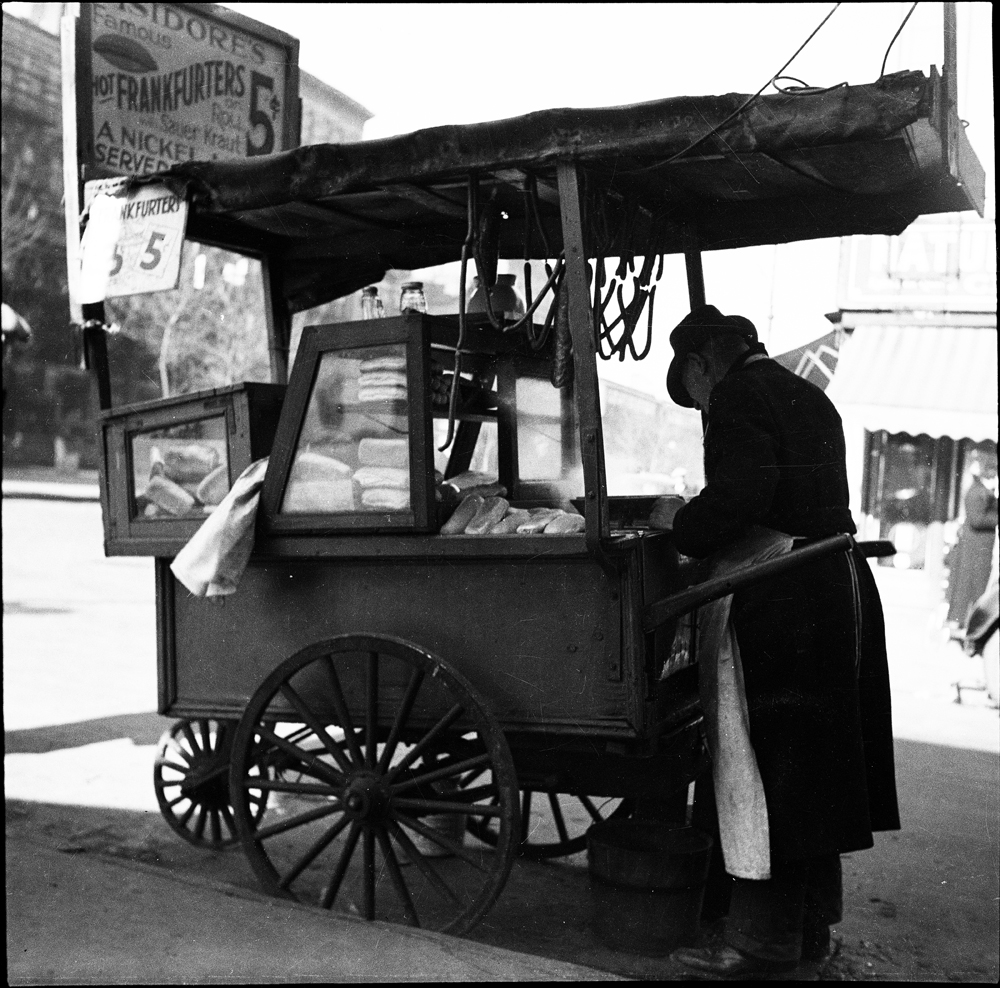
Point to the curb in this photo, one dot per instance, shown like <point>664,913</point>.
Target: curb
<point>39,491</point>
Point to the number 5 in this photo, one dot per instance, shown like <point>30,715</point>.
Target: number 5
<point>154,255</point>
<point>258,118</point>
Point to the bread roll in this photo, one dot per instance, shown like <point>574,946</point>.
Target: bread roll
<point>384,453</point>
<point>171,497</point>
<point>214,487</point>
<point>489,513</point>
<point>462,515</point>
<point>387,363</point>
<point>315,466</point>
<point>387,499</point>
<point>508,524</point>
<point>330,496</point>
<point>393,478</point>
<point>565,523</point>
<point>190,464</point>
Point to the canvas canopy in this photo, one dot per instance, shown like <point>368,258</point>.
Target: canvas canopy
<point>674,175</point>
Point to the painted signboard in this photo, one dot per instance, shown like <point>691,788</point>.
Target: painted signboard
<point>937,264</point>
<point>162,83</point>
<point>133,239</point>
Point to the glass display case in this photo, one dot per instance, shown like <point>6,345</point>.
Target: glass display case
<point>364,445</point>
<point>353,450</point>
<point>168,464</point>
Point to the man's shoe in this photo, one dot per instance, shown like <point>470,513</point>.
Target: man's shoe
<point>728,964</point>
<point>816,944</point>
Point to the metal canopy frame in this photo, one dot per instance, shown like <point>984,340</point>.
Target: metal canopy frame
<point>680,175</point>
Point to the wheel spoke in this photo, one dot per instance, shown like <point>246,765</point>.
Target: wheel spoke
<point>280,785</point>
<point>196,748</point>
<point>317,848</point>
<point>343,714</point>
<point>216,827</point>
<point>174,747</point>
<point>330,893</point>
<point>205,728</point>
<point>397,878</point>
<point>166,763</point>
<point>595,814</point>
<point>227,818</point>
<point>425,742</point>
<point>443,806</point>
<point>402,715</point>
<point>371,710</point>
<point>317,728</point>
<point>426,868</point>
<point>435,836</point>
<point>321,769</point>
<point>368,874</point>
<point>443,772</point>
<point>291,823</point>
<point>177,799</point>
<point>558,817</point>
<point>183,821</point>
<point>525,811</point>
<point>199,826</point>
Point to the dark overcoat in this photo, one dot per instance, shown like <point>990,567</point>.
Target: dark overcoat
<point>969,568</point>
<point>820,722</point>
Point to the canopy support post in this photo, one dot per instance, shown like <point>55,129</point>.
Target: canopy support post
<point>585,386</point>
<point>695,277</point>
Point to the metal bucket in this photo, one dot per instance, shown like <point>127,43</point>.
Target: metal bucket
<point>647,882</point>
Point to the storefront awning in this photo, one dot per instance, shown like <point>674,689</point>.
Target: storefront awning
<point>941,381</point>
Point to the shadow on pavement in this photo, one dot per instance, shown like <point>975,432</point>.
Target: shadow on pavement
<point>143,728</point>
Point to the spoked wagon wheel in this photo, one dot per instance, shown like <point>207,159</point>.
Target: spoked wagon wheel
<point>554,825</point>
<point>191,779</point>
<point>375,736</point>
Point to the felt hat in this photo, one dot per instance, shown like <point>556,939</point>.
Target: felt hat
<point>691,332</point>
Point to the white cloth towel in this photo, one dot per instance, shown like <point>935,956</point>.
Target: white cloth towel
<point>739,791</point>
<point>214,559</point>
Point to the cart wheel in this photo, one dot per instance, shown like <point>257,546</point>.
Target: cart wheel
<point>551,822</point>
<point>191,778</point>
<point>354,805</point>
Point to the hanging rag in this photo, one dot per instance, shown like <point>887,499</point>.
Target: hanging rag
<point>214,559</point>
<point>739,791</point>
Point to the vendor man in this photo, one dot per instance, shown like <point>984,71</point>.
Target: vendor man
<point>804,669</point>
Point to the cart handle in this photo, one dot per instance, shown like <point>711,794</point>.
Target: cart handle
<point>661,611</point>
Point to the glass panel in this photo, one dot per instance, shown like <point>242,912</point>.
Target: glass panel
<point>353,453</point>
<point>208,332</point>
<point>539,430</point>
<point>484,456</point>
<point>180,471</point>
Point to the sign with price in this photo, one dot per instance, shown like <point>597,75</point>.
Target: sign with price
<point>161,83</point>
<point>133,240</point>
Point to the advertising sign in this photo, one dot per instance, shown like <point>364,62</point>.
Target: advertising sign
<point>133,240</point>
<point>161,83</point>
<point>938,264</point>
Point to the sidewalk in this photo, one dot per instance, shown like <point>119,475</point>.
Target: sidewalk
<point>79,918</point>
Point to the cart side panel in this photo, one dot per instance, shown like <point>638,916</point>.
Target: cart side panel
<point>537,638</point>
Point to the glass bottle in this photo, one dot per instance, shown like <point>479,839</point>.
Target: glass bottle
<point>371,304</point>
<point>411,297</point>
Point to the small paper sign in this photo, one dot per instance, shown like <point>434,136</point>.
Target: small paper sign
<point>133,241</point>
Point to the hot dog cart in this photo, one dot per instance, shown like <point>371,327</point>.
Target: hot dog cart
<point>387,680</point>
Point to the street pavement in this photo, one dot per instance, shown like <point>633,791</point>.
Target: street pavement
<point>100,891</point>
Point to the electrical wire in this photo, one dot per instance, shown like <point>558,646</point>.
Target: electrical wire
<point>747,102</point>
<point>894,37</point>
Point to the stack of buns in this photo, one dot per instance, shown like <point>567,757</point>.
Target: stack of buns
<point>384,474</point>
<point>479,515</point>
<point>382,379</point>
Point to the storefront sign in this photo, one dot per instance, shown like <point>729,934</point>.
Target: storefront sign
<point>938,264</point>
<point>133,240</point>
<point>162,83</point>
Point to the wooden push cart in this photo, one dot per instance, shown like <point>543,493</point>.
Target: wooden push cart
<point>376,690</point>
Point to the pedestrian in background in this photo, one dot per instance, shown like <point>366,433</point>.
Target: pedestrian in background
<point>969,561</point>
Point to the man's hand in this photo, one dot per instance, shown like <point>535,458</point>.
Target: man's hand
<point>664,509</point>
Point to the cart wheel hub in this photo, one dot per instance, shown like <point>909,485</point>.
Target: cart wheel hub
<point>365,799</point>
